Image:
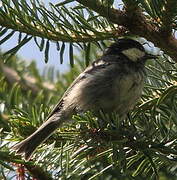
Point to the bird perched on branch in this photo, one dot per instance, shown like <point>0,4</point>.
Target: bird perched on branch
<point>112,83</point>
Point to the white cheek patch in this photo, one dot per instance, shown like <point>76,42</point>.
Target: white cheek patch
<point>133,54</point>
<point>100,62</point>
<point>85,75</point>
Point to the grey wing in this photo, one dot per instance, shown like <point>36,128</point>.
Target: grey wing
<point>95,86</point>
<point>73,96</point>
<point>109,86</point>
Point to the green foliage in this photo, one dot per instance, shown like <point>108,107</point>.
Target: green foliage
<point>141,146</point>
<point>74,23</point>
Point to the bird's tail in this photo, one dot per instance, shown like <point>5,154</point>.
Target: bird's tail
<point>28,146</point>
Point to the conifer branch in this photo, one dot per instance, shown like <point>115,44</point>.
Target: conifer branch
<point>137,25</point>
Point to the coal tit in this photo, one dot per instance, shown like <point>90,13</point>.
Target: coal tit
<point>112,83</point>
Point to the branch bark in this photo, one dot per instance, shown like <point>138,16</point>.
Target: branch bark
<point>131,18</point>
<point>26,82</point>
<point>36,171</point>
<point>168,14</point>
<point>137,24</point>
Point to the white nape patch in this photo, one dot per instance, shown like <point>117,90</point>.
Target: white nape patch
<point>133,54</point>
<point>100,62</point>
<point>86,75</point>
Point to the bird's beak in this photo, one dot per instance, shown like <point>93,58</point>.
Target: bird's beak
<point>150,56</point>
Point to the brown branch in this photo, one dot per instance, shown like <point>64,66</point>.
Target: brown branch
<point>131,19</point>
<point>13,77</point>
<point>36,171</point>
<point>26,82</point>
<point>137,24</point>
<point>168,13</point>
<point>114,15</point>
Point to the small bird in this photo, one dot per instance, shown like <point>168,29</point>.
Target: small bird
<point>112,83</point>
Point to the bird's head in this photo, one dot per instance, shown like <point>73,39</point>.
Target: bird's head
<point>131,49</point>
